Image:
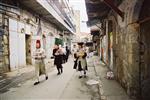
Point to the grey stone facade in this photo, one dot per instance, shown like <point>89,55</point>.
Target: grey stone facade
<point>130,47</point>
<point>130,65</point>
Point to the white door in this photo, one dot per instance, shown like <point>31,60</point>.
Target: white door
<point>21,50</point>
<point>13,41</point>
<point>16,46</point>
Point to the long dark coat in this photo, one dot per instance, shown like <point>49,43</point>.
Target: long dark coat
<point>58,59</point>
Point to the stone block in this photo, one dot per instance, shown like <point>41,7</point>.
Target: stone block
<point>103,98</point>
<point>5,39</point>
<point>6,59</point>
<point>5,48</point>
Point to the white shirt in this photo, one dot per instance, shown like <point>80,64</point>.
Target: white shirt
<point>39,53</point>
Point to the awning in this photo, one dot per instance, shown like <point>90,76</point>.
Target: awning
<point>96,10</point>
<point>59,41</point>
<point>99,9</point>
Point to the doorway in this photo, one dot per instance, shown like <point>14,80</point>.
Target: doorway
<point>110,43</point>
<point>28,50</point>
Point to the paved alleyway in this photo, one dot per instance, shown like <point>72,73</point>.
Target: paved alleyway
<point>68,87</point>
<point>109,89</point>
<point>63,87</point>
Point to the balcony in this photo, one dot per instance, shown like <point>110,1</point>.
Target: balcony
<point>65,11</point>
<point>50,10</point>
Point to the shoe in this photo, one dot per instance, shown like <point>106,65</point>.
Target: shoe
<point>80,77</point>
<point>58,73</point>
<point>36,83</point>
<point>46,78</point>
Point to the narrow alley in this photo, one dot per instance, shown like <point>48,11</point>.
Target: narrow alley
<point>106,41</point>
<point>66,86</point>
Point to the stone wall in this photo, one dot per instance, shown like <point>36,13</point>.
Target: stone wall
<point>1,44</point>
<point>127,47</point>
<point>144,21</point>
<point>128,53</point>
<point>4,42</point>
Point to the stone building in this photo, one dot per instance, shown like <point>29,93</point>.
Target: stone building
<point>24,21</point>
<point>124,41</point>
